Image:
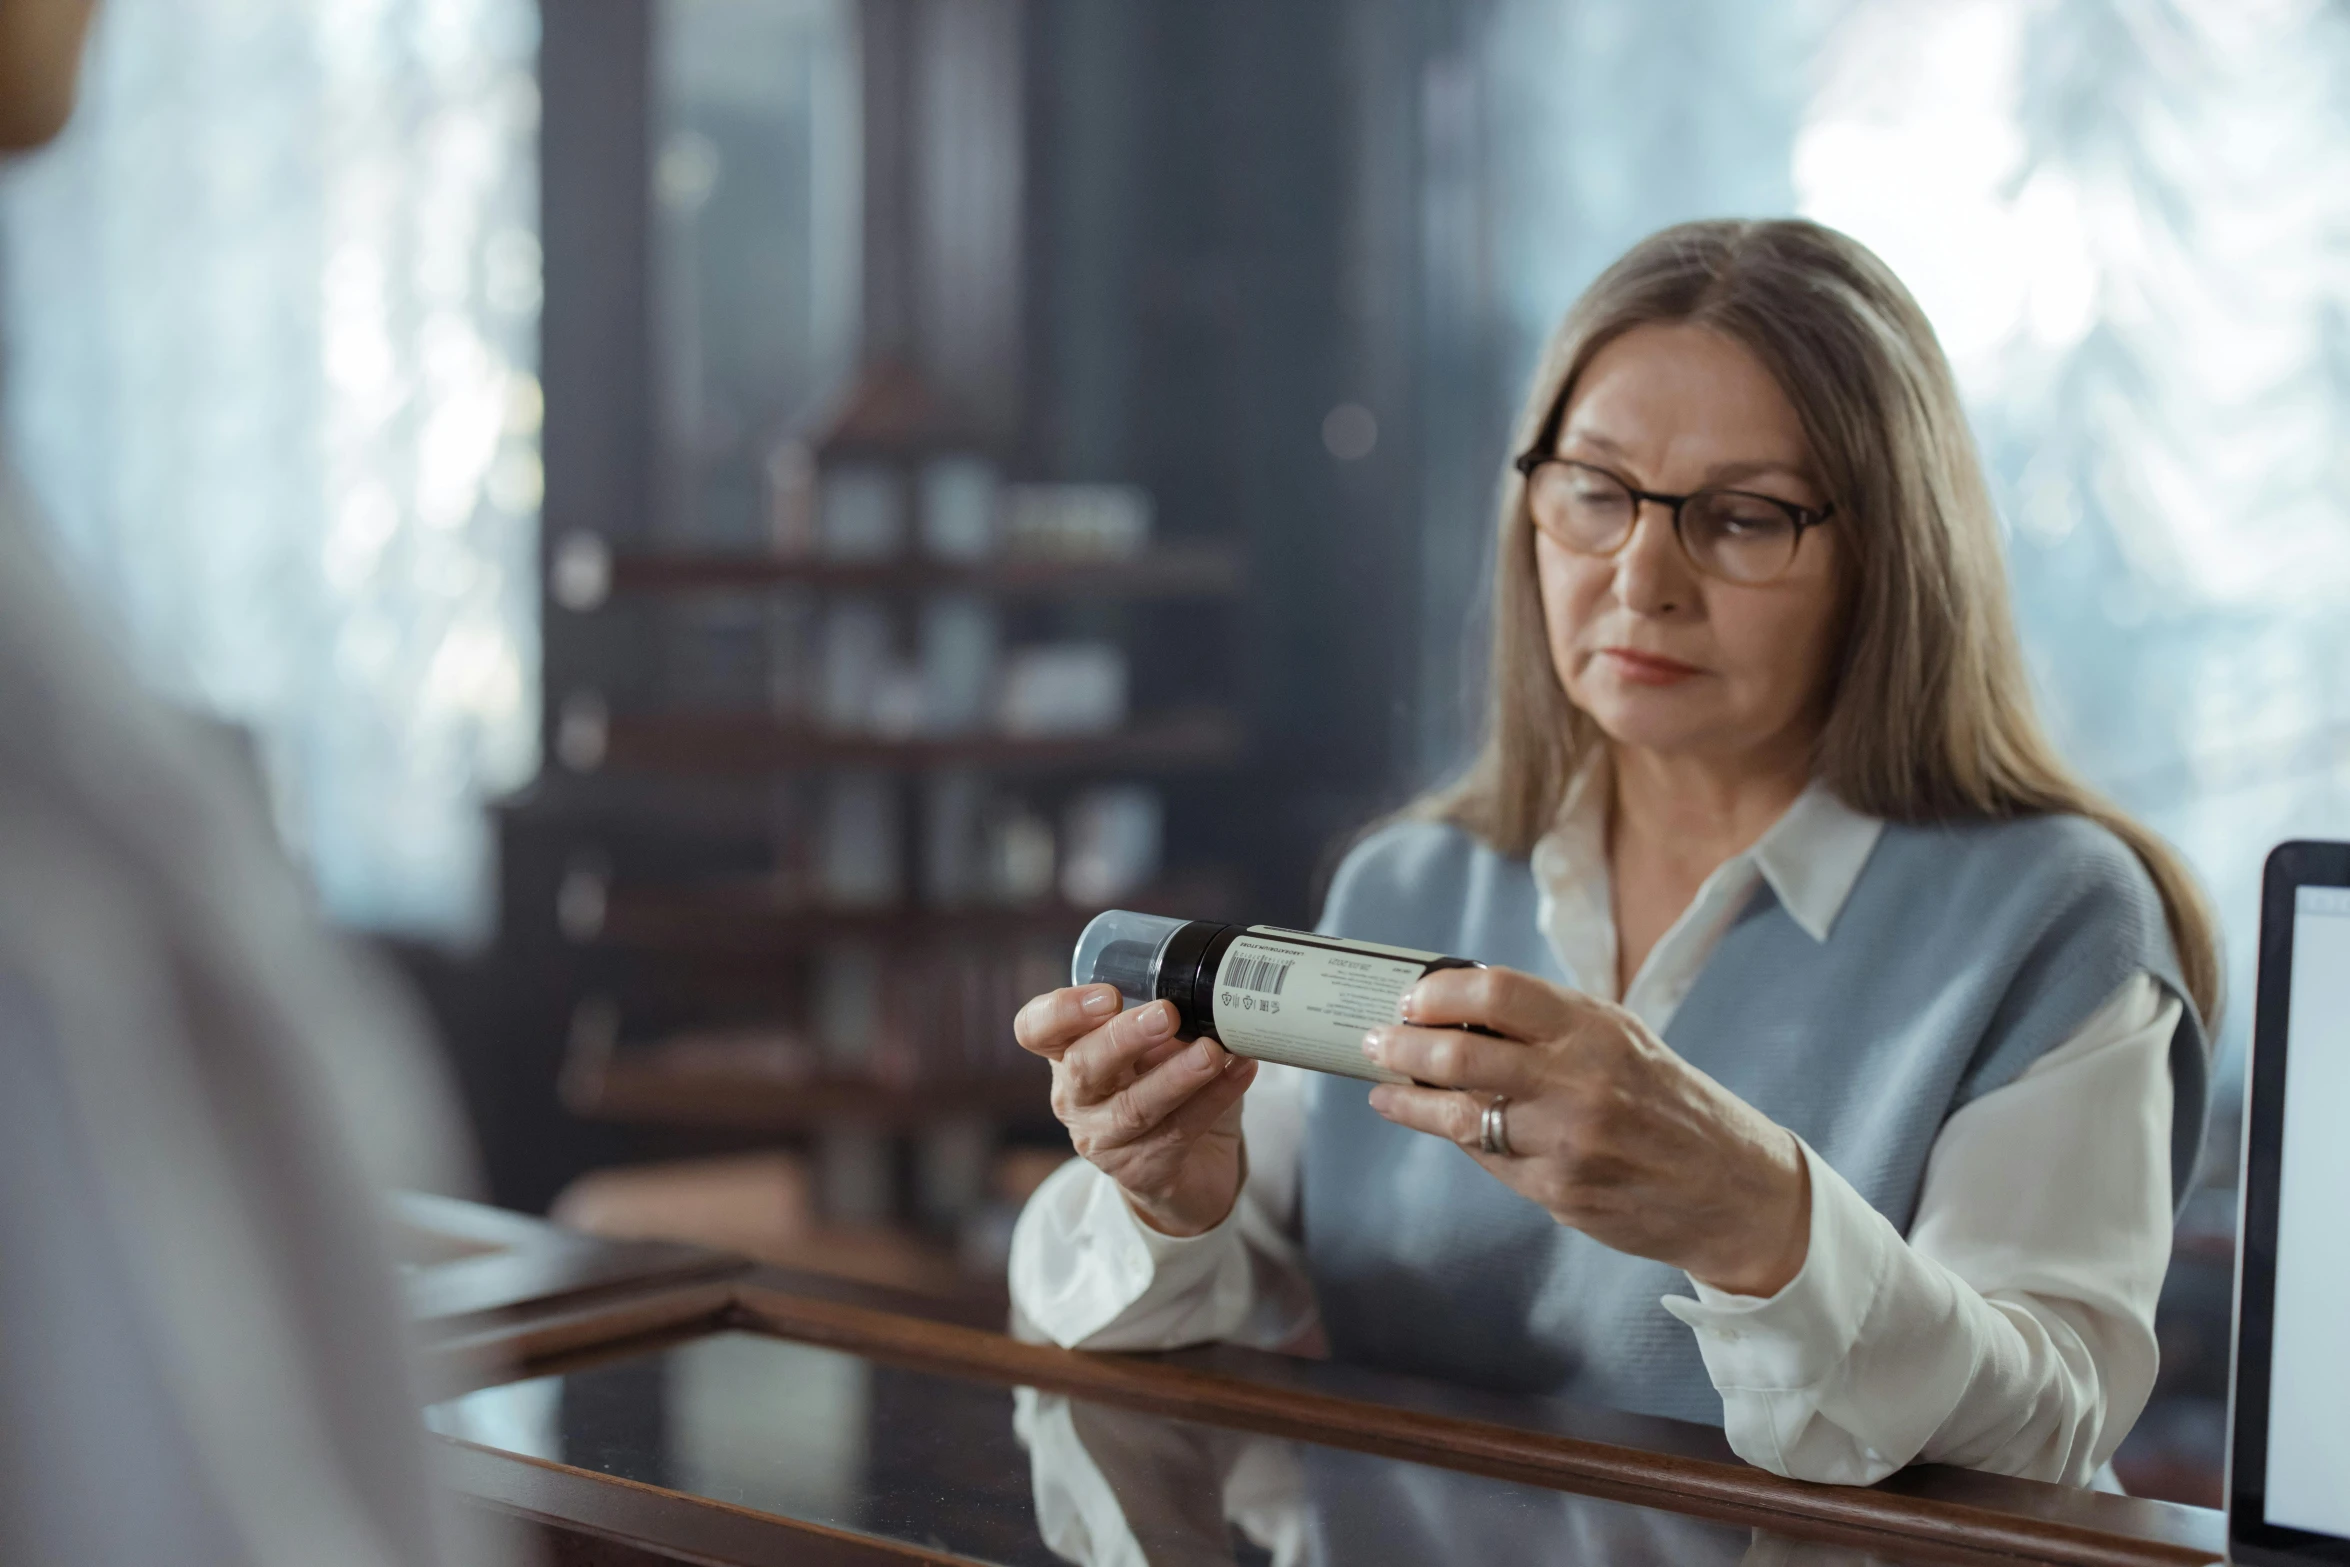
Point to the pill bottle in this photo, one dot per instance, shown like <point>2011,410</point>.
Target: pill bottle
<point>1278,995</point>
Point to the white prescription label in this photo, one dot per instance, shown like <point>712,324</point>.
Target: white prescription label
<point>1301,1003</point>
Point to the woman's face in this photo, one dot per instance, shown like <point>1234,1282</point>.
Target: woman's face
<point>1662,658</point>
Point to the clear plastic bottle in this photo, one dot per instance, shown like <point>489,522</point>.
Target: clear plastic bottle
<point>1278,995</point>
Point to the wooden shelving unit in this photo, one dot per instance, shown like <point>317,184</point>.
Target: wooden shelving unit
<point>740,919</point>
<point>679,1055</point>
<point>752,917</point>
<point>1167,572</point>
<point>638,1087</point>
<point>748,596</point>
<point>680,742</point>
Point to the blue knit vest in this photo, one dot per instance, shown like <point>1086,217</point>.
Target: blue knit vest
<point>1963,954</point>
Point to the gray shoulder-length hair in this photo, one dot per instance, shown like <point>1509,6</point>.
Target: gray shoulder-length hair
<point>1930,714</point>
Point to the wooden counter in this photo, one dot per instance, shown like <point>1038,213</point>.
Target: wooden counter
<point>761,1416</point>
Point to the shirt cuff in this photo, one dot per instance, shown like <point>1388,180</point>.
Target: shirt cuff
<point>1794,1339</point>
<point>1175,1256</point>
<point>1082,1263</point>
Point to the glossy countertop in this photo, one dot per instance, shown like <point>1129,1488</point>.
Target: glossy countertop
<point>1029,1479</point>
<point>763,1416</point>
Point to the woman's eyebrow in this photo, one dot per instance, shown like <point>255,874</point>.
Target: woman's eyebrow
<point>1567,438</point>
<point>1719,473</point>
<point>1732,472</point>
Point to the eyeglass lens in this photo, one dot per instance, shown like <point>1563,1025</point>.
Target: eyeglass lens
<point>1726,533</point>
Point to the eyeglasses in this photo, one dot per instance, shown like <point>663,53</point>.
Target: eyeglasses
<point>1735,535</point>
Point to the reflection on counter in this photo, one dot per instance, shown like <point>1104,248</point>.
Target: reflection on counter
<point>1115,1489</point>
<point>836,1440</point>
<point>784,1428</point>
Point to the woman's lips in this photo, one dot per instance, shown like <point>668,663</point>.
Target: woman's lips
<point>1648,669</point>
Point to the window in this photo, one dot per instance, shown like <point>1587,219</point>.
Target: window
<point>270,316</point>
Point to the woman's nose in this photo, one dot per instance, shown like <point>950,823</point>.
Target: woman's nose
<point>1652,575</point>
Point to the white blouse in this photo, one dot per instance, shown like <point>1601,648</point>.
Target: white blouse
<point>2012,1330</point>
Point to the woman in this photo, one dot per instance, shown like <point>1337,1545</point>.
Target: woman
<point>1851,1052</point>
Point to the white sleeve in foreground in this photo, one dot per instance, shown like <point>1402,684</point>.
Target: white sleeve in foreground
<point>1087,1274</point>
<point>2013,1331</point>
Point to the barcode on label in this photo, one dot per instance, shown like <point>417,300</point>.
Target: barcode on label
<point>1261,974</point>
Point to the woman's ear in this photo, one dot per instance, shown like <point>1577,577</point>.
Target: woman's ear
<point>40,64</point>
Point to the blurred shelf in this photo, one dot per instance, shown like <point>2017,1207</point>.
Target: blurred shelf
<point>1175,571</point>
<point>638,1089</point>
<point>752,918</point>
<point>705,919</point>
<point>763,1206</point>
<point>1182,741</point>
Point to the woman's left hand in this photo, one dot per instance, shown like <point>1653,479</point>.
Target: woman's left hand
<point>1609,1130</point>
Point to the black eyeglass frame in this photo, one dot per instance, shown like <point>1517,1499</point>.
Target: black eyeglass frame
<point>1805,518</point>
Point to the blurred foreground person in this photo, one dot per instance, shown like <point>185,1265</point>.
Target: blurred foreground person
<point>200,1092</point>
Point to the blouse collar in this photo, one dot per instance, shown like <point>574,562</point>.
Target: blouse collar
<point>1811,856</point>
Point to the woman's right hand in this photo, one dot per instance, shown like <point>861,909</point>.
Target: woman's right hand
<point>1156,1114</point>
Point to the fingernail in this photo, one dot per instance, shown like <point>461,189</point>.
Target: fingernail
<point>1159,1020</point>
<point>1374,1044</point>
<point>1379,1099</point>
<point>1239,1064</point>
<point>1409,1008</point>
<point>1203,1053</point>
<point>1099,1000</point>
